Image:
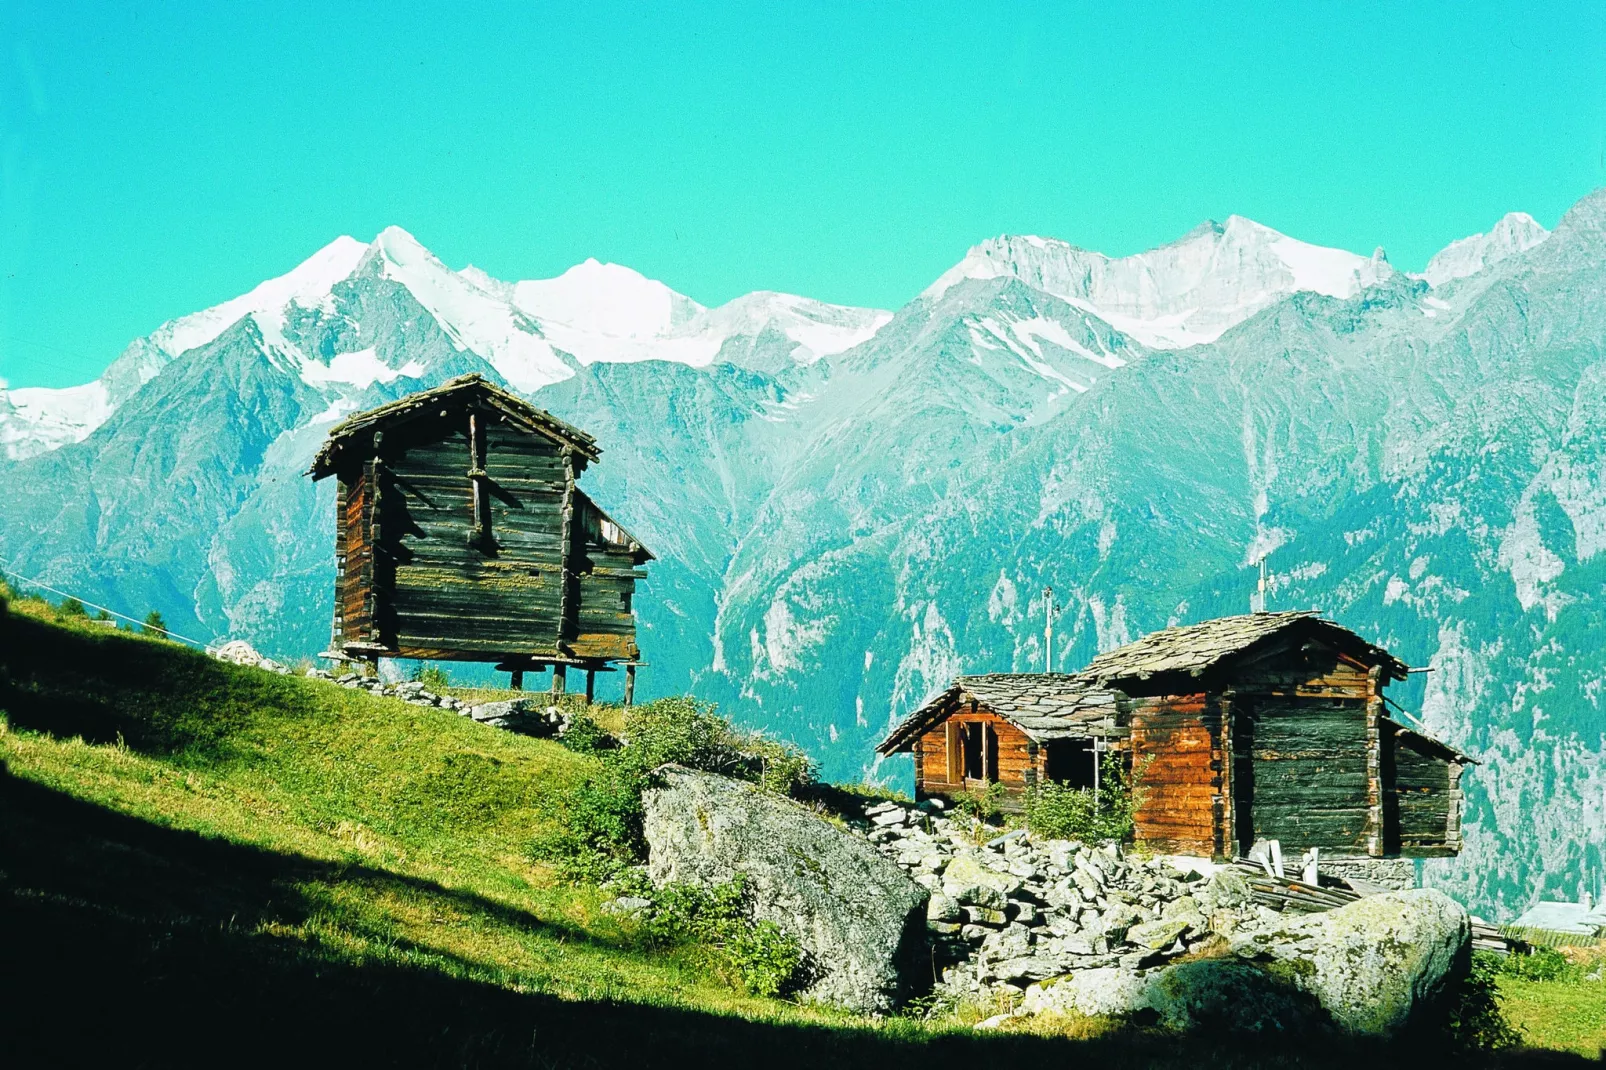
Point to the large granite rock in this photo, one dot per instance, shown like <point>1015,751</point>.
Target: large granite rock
<point>861,920</point>
<point>1373,964</point>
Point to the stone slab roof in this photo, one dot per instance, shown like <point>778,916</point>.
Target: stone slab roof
<point>1193,648</point>
<point>1577,918</point>
<point>1043,705</point>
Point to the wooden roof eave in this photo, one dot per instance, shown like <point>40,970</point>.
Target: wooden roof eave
<point>635,546</point>
<point>904,733</point>
<point>1448,752</point>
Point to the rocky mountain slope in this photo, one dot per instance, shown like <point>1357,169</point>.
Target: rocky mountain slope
<point>850,506</point>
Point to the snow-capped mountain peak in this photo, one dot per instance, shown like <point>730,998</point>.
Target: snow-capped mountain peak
<point>1517,232</point>
<point>606,299</point>
<point>307,284</point>
<point>1180,294</point>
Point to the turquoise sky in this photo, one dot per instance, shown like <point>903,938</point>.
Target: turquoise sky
<point>158,158</point>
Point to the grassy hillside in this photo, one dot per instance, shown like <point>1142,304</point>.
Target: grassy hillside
<point>204,864</point>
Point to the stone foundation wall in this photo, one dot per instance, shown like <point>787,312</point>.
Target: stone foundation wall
<point>1398,874</point>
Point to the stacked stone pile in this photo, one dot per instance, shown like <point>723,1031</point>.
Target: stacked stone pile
<point>1011,910</point>
<point>527,716</point>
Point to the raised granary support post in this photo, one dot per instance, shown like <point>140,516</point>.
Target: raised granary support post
<point>591,686</point>
<point>630,685</point>
<point>517,681</point>
<point>560,677</point>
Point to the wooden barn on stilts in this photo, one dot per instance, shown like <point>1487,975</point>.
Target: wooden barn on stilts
<point>1268,726</point>
<point>462,534</point>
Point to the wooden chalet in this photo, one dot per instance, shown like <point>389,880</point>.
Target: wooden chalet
<point>461,533</point>
<point>1264,726</point>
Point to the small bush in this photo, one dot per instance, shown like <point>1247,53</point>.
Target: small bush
<point>71,607</point>
<point>983,805</point>
<point>766,960</point>
<point>434,678</point>
<point>1061,812</point>
<point>599,826</point>
<point>585,736</point>
<point>1542,964</point>
<point>154,624</point>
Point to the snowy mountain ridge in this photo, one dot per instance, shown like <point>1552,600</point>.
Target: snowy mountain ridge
<point>1181,294</point>
<point>534,332</point>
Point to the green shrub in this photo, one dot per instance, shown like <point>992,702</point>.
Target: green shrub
<point>1542,964</point>
<point>154,624</point>
<point>766,960</point>
<point>599,826</point>
<point>984,805</point>
<point>585,736</point>
<point>434,678</point>
<point>71,607</point>
<point>1060,812</point>
<point>691,733</point>
<point>680,730</point>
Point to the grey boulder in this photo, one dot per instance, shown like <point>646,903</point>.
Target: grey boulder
<point>1373,964</point>
<point>859,918</point>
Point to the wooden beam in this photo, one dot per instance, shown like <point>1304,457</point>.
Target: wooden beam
<point>480,532</point>
<point>375,532</point>
<point>566,550</point>
<point>1375,834</point>
<point>1227,829</point>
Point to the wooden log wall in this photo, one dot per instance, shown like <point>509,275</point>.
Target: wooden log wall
<point>453,589</point>
<point>1423,797</point>
<point>1308,772</point>
<point>605,621</point>
<point>1177,756</point>
<point>354,561</point>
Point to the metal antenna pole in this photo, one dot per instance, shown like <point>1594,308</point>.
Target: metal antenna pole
<point>1048,629</point>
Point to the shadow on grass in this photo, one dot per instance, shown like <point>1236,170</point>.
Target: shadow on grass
<point>129,944</point>
<point>98,687</point>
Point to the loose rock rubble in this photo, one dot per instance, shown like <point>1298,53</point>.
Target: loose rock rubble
<point>1094,930</point>
<point>1015,909</point>
<point>527,716</point>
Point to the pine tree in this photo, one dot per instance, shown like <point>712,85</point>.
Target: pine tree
<point>154,624</point>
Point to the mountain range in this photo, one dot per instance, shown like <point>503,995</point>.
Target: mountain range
<point>851,505</point>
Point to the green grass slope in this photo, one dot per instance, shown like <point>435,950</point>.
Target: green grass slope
<point>204,864</point>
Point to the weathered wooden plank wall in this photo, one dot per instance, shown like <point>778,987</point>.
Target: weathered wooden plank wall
<point>1017,755</point>
<point>1175,747</point>
<point>1422,786</point>
<point>1308,771</point>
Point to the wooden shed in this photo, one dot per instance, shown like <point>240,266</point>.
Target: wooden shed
<point>462,534</point>
<point>1263,726</point>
